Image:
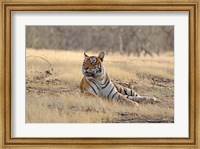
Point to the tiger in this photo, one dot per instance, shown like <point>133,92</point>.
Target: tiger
<point>96,82</point>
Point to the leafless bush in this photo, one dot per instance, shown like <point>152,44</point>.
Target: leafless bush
<point>136,40</point>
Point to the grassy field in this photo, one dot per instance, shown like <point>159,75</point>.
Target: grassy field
<point>53,96</point>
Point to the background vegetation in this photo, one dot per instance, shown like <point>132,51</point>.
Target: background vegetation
<point>123,39</point>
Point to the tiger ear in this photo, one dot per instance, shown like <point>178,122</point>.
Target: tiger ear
<point>85,55</point>
<point>101,56</point>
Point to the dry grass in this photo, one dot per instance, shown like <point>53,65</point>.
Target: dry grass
<point>52,91</point>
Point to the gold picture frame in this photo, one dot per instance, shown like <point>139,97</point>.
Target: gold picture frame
<point>192,7</point>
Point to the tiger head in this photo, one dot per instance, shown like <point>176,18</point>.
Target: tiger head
<point>92,66</point>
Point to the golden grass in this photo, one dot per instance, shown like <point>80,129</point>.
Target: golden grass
<point>56,97</point>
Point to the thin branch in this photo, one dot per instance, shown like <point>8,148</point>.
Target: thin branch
<point>40,58</point>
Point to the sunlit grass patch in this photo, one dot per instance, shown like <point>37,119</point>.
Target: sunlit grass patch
<point>52,90</point>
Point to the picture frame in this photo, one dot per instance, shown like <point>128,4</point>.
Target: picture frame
<point>7,7</point>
